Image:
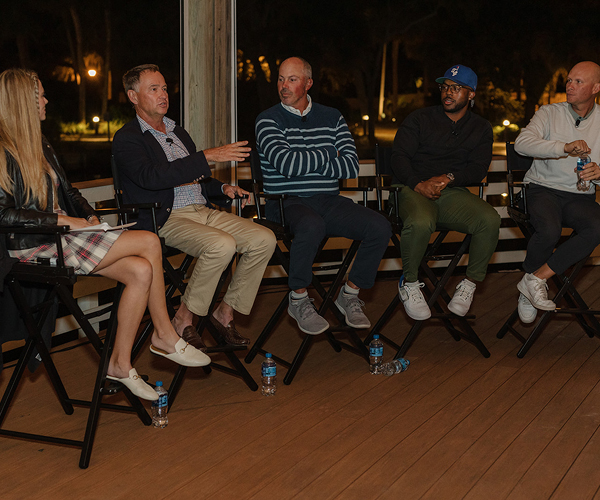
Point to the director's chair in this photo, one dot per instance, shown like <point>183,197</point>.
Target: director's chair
<point>434,289</point>
<point>516,166</point>
<point>327,295</point>
<point>175,281</point>
<point>60,280</point>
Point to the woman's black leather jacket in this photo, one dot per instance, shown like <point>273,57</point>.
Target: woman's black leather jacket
<point>15,211</point>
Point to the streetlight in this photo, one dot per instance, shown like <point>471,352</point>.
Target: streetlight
<point>506,123</point>
<point>92,73</point>
<point>96,121</point>
<point>365,121</point>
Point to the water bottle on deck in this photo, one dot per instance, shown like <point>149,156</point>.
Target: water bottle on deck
<point>375,355</point>
<point>269,375</point>
<point>395,366</point>
<point>160,407</point>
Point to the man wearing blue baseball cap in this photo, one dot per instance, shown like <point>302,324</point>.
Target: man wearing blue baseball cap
<point>437,152</point>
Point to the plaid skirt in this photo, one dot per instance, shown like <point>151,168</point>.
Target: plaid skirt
<point>82,251</point>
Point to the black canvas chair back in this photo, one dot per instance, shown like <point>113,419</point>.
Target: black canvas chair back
<point>434,290</point>
<point>516,167</point>
<point>327,294</point>
<point>175,282</point>
<point>60,280</point>
<point>567,294</point>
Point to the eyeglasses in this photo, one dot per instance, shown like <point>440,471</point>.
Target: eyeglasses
<point>452,88</point>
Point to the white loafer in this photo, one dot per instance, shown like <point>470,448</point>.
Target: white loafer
<point>185,354</point>
<point>137,386</point>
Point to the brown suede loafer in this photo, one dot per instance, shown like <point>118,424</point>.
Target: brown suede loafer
<point>190,335</point>
<point>229,333</point>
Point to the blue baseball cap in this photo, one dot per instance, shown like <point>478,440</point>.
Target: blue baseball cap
<point>460,74</point>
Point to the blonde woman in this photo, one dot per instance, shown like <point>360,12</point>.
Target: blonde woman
<point>35,190</point>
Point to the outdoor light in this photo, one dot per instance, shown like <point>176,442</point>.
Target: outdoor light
<point>92,73</point>
<point>506,123</point>
<point>96,119</point>
<point>504,195</point>
<point>365,119</point>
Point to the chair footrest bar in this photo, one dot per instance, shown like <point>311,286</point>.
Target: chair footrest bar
<point>39,437</point>
<point>106,406</point>
<point>451,316</point>
<point>517,335</point>
<point>225,348</point>
<point>389,342</point>
<point>351,348</point>
<point>589,312</point>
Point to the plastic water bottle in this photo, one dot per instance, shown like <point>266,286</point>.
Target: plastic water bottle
<point>269,376</point>
<point>581,184</point>
<point>375,354</point>
<point>395,366</point>
<point>160,407</point>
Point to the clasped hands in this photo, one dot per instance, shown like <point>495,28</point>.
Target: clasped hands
<point>432,188</point>
<point>591,171</point>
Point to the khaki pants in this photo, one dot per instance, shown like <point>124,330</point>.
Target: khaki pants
<point>215,237</point>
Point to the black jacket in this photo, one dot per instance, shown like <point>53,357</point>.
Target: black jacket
<point>15,211</point>
<point>428,143</point>
<point>147,176</point>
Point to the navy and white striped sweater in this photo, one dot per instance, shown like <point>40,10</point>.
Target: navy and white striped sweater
<point>305,156</point>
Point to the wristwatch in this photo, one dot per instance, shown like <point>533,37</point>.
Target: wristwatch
<point>451,177</point>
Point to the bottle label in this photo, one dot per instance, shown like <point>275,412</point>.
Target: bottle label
<point>163,401</point>
<point>582,161</point>
<point>269,371</point>
<point>376,351</point>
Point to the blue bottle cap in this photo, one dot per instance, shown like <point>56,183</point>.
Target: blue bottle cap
<point>268,355</point>
<point>375,337</point>
<point>159,384</point>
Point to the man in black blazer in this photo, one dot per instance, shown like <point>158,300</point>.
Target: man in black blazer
<point>157,161</point>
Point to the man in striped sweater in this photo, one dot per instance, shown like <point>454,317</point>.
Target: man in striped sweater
<point>305,148</point>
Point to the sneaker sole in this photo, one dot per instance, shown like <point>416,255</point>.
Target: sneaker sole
<point>306,331</point>
<point>451,309</point>
<point>422,318</point>
<point>526,319</point>
<point>524,291</point>
<point>358,327</point>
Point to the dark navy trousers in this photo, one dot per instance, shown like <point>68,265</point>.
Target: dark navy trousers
<point>313,218</point>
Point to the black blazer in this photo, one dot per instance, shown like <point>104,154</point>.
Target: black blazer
<point>15,210</point>
<point>147,176</point>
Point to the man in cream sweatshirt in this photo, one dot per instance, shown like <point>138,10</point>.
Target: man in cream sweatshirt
<point>556,137</point>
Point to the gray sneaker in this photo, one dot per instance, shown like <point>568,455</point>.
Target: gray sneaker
<point>304,312</point>
<point>351,307</point>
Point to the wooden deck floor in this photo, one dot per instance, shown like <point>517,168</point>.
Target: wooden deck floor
<point>455,425</point>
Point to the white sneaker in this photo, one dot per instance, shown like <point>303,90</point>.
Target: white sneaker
<point>463,298</point>
<point>527,313</point>
<point>414,302</point>
<point>536,290</point>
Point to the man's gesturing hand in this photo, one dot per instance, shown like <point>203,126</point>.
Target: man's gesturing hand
<point>230,152</point>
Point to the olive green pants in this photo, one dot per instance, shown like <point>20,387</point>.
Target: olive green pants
<point>457,209</point>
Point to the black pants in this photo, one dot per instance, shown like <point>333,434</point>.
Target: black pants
<point>550,210</point>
